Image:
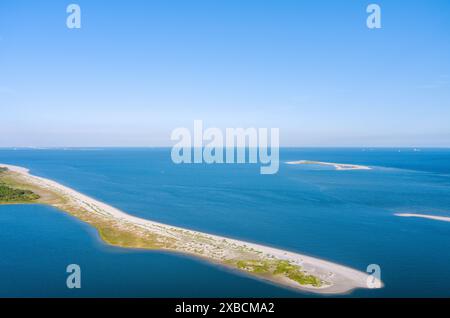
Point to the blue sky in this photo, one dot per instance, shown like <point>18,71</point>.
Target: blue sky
<point>138,69</point>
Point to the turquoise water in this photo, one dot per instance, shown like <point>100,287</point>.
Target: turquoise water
<point>342,216</point>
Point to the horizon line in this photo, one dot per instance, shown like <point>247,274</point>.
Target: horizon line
<point>168,147</point>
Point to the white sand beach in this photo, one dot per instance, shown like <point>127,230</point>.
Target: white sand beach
<point>217,249</point>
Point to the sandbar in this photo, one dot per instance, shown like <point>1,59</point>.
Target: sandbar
<point>337,166</point>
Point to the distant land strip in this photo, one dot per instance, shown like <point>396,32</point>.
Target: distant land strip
<point>425,216</point>
<point>337,166</point>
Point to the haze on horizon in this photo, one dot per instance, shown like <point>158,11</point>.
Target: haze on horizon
<point>136,70</point>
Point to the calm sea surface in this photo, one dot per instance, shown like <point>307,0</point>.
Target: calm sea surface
<point>342,216</point>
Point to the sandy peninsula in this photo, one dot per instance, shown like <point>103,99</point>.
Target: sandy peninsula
<point>425,216</point>
<point>337,166</point>
<point>118,228</point>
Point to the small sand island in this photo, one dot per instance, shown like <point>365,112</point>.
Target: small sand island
<point>117,228</point>
<point>337,166</point>
<point>424,216</point>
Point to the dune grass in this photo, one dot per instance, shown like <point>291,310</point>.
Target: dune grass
<point>279,268</point>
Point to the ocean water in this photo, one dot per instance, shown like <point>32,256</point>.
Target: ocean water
<point>342,216</point>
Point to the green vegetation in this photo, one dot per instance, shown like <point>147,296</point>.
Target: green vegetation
<point>126,237</point>
<point>294,273</point>
<point>257,267</point>
<point>279,267</point>
<point>11,195</point>
<point>8,194</point>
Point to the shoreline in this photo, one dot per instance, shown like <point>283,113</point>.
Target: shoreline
<point>337,166</point>
<point>118,228</point>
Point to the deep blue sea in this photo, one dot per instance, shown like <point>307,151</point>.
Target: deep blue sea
<point>342,216</point>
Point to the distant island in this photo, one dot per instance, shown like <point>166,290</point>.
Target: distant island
<point>337,166</point>
<point>120,229</point>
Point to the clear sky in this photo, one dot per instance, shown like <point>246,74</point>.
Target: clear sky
<point>136,70</point>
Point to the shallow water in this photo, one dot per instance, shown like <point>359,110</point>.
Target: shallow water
<point>342,216</point>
